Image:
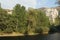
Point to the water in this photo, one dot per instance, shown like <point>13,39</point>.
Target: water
<point>55,36</point>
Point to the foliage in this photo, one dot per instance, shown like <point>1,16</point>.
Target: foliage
<point>7,22</point>
<point>31,20</point>
<point>58,2</point>
<point>57,21</point>
<point>19,14</point>
<point>42,21</point>
<point>37,20</point>
<point>22,21</point>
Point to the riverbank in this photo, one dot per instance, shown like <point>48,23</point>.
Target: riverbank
<point>11,34</point>
<point>55,36</point>
<point>17,34</point>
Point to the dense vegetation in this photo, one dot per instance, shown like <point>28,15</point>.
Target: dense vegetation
<point>22,20</point>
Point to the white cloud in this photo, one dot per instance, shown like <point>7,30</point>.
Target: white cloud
<point>11,3</point>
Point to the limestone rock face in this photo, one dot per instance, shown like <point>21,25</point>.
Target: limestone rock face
<point>52,13</point>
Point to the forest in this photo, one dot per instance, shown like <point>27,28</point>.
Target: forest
<point>25,21</point>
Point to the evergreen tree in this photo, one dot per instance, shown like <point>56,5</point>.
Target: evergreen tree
<point>19,14</point>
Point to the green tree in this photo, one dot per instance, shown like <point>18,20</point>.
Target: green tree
<point>7,22</point>
<point>31,19</point>
<point>42,21</point>
<point>57,21</point>
<point>20,15</point>
<point>2,18</point>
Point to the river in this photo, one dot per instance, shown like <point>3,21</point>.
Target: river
<point>55,36</point>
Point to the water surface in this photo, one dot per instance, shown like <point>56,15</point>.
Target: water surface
<point>55,36</point>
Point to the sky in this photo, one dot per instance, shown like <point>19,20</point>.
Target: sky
<point>9,4</point>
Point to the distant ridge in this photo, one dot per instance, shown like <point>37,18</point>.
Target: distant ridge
<point>58,8</point>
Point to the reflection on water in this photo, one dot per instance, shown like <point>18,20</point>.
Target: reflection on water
<point>55,36</point>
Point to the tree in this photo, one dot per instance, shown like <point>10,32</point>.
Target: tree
<point>37,21</point>
<point>42,21</point>
<point>58,2</point>
<point>57,21</point>
<point>31,20</point>
<point>58,17</point>
<point>7,22</point>
<point>19,14</point>
<point>2,19</point>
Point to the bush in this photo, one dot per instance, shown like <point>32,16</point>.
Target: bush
<point>8,30</point>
